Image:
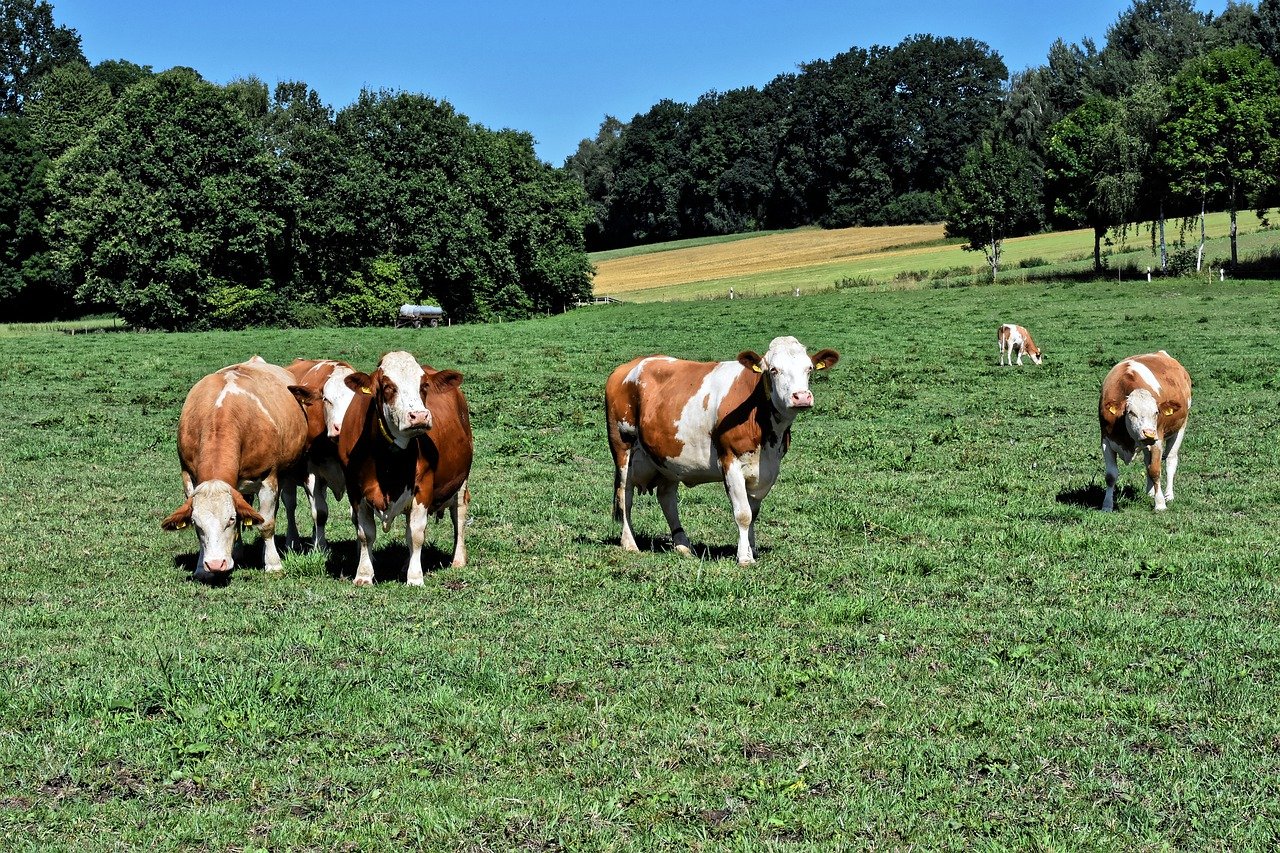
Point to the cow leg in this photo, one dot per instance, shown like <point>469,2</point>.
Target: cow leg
<point>668,499</point>
<point>1113,474</point>
<point>417,531</point>
<point>366,533</point>
<point>623,498</point>
<point>268,495</point>
<point>458,513</point>
<point>755,513</point>
<point>1171,463</point>
<point>735,483</point>
<point>1151,456</point>
<point>319,512</point>
<point>289,497</point>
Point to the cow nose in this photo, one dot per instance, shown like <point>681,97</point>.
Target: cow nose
<point>334,430</point>
<point>802,399</point>
<point>420,418</point>
<point>216,565</point>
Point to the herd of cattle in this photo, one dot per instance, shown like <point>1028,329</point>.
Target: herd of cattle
<point>398,441</point>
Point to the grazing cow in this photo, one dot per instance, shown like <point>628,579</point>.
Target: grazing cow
<point>326,379</point>
<point>243,431</point>
<point>1145,400</point>
<point>406,448</point>
<point>1014,338</point>
<point>691,422</point>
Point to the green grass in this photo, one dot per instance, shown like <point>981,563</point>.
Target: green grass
<point>671,245</point>
<point>944,644</point>
<point>70,327</point>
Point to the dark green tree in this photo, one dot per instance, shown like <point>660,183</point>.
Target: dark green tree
<point>1168,32</point>
<point>594,166</point>
<point>998,193</point>
<point>30,288</point>
<point>170,204</point>
<point>651,176</point>
<point>1221,140</point>
<point>120,74</point>
<point>65,105</point>
<point>31,45</point>
<point>1269,29</point>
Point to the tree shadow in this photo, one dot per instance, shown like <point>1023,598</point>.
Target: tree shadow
<point>1090,496</point>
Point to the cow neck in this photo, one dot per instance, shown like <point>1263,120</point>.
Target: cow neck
<point>773,424</point>
<point>386,433</point>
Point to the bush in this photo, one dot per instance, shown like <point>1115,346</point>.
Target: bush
<point>373,296</point>
<point>846,282</point>
<point>235,306</point>
<point>1029,263</point>
<point>1182,262</point>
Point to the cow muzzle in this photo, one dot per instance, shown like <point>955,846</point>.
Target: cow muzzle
<point>419,420</point>
<point>1149,438</point>
<point>217,566</point>
<point>802,399</point>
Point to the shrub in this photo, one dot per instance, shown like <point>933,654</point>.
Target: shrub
<point>235,306</point>
<point>373,296</point>
<point>1029,263</point>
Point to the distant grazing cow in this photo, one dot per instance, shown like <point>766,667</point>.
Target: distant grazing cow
<point>692,422</point>
<point>325,379</point>
<point>406,448</point>
<point>1145,400</point>
<point>1015,339</point>
<point>243,431</point>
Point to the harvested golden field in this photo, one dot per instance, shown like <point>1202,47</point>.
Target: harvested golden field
<point>771,252</point>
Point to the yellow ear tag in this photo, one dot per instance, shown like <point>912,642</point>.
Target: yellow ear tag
<point>365,389</point>
<point>245,525</point>
<point>822,365</point>
<point>182,526</point>
<point>1111,409</point>
<point>1168,410</point>
<point>757,368</point>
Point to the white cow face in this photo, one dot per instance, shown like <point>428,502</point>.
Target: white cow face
<point>786,367</point>
<point>337,397</point>
<point>215,509</point>
<point>1140,417</point>
<point>399,388</point>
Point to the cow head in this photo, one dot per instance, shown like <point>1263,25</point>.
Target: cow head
<point>216,509</point>
<point>398,388</point>
<point>312,407</point>
<point>785,369</point>
<point>1034,351</point>
<point>337,397</point>
<point>1141,415</point>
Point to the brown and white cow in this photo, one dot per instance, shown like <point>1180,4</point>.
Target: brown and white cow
<point>1145,400</point>
<point>326,379</point>
<point>406,449</point>
<point>691,422</point>
<point>243,431</point>
<point>1013,338</point>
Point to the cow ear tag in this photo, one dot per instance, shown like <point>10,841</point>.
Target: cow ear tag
<point>757,368</point>
<point>1168,410</point>
<point>1111,409</point>
<point>365,389</point>
<point>822,365</point>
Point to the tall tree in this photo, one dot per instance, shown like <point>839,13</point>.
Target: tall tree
<point>1269,29</point>
<point>594,166</point>
<point>1221,141</point>
<point>998,193</point>
<point>30,288</point>
<point>31,45</point>
<point>1171,31</point>
<point>65,105</point>
<point>171,203</point>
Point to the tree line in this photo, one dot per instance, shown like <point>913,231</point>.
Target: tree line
<point>182,204</point>
<point>1174,113</point>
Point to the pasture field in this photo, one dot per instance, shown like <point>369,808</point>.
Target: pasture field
<point>944,644</point>
<point>814,260</point>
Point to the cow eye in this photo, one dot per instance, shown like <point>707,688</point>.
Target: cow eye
<point>773,371</point>
<point>388,393</point>
<point>231,522</point>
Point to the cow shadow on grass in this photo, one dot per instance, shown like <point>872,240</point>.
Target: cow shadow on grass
<point>663,545</point>
<point>389,561</point>
<point>1090,496</point>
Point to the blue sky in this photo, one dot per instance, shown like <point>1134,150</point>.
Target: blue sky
<point>554,69</point>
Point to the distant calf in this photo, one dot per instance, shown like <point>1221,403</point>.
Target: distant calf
<point>325,379</point>
<point>406,448</point>
<point>691,422</point>
<point>243,431</point>
<point>1015,339</point>
<point>1145,400</point>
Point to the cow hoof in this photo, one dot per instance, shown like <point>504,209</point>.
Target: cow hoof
<point>746,562</point>
<point>363,582</point>
<point>413,582</point>
<point>1161,508</point>
<point>684,550</point>
<point>458,564</point>
<point>275,570</point>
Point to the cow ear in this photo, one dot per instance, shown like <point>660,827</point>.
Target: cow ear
<point>824,359</point>
<point>443,379</point>
<point>752,360</point>
<point>179,518</point>
<point>1170,407</point>
<point>306,396</point>
<point>1115,408</point>
<point>361,383</point>
<point>245,514</point>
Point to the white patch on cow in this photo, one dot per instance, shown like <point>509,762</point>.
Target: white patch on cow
<point>337,398</point>
<point>698,462</point>
<point>626,429</point>
<point>633,376</point>
<point>230,388</point>
<point>403,370</point>
<point>1144,373</point>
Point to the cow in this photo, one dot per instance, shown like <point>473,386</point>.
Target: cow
<point>672,421</point>
<point>1013,338</point>
<point>1145,400</point>
<point>243,430</point>
<point>326,378</point>
<point>406,449</point>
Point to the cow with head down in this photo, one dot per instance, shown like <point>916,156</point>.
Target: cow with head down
<point>1144,404</point>
<point>326,379</point>
<point>243,431</point>
<point>406,449</point>
<point>672,421</point>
